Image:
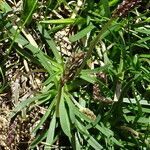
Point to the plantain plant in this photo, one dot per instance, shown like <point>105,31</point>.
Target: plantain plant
<point>96,95</point>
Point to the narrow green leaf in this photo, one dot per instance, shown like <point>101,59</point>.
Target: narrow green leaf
<point>106,8</point>
<point>88,78</point>
<point>115,141</point>
<point>81,33</point>
<point>133,101</point>
<point>78,144</point>
<point>88,137</point>
<point>146,39</point>
<point>96,70</point>
<point>64,21</point>
<point>38,139</point>
<point>71,108</point>
<point>142,30</point>
<point>26,102</point>
<point>64,119</point>
<point>144,55</point>
<point>45,116</point>
<point>51,131</point>
<point>144,120</point>
<point>43,59</point>
<point>50,42</point>
<point>104,131</point>
<point>4,6</point>
<point>28,10</point>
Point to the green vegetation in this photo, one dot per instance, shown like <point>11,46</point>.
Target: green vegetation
<point>75,74</point>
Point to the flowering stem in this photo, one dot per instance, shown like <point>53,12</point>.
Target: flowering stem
<point>94,42</point>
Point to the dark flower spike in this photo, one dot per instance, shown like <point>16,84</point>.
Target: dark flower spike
<point>98,97</point>
<point>72,65</point>
<point>124,7</point>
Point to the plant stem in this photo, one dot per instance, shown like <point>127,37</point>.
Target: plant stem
<point>94,42</point>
